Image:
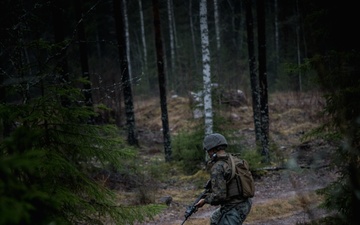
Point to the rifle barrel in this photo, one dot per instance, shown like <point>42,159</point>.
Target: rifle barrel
<point>192,209</point>
<point>183,222</point>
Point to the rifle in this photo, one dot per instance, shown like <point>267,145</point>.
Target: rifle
<point>192,208</point>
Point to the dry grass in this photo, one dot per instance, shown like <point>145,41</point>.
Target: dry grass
<point>291,114</point>
<point>148,113</point>
<point>269,210</point>
<point>280,208</point>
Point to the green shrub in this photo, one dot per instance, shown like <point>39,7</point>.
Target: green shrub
<point>187,148</point>
<point>47,161</point>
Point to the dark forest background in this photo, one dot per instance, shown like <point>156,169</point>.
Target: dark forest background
<point>69,80</point>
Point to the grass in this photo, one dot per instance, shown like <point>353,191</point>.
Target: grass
<point>291,114</point>
<point>284,207</point>
<point>187,188</point>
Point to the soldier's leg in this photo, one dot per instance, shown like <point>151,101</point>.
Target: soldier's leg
<point>235,215</point>
<point>244,210</point>
<point>215,217</point>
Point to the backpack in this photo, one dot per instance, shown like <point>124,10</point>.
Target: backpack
<point>240,171</point>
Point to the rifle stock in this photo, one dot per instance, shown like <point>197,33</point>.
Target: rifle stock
<point>192,208</point>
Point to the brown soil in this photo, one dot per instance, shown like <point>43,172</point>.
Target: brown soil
<point>284,194</point>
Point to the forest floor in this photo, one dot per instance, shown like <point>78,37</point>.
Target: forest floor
<point>284,194</point>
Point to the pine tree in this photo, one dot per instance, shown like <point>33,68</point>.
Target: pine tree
<point>49,153</point>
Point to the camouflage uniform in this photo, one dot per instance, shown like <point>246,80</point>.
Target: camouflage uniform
<point>233,210</point>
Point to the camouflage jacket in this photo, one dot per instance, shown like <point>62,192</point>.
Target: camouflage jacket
<point>220,173</point>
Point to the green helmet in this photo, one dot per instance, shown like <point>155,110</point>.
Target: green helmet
<point>214,140</point>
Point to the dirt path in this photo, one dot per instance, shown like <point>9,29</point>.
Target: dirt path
<point>277,187</point>
<point>290,118</point>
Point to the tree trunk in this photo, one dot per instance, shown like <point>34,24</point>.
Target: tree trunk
<point>83,53</point>
<point>298,45</point>
<point>143,39</point>
<point>172,45</point>
<point>5,123</point>
<point>263,86</point>
<point>218,43</point>
<point>128,99</point>
<point>127,39</point>
<point>217,26</point>
<point>162,81</point>
<point>191,86</point>
<point>61,67</point>
<point>277,46</point>
<point>208,112</point>
<point>252,68</point>
<point>236,24</point>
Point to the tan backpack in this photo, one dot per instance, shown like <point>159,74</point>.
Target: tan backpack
<point>240,169</point>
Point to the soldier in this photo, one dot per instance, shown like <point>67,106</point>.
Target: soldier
<point>234,208</point>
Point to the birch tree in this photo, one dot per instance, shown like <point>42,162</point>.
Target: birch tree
<point>162,81</point>
<point>127,90</point>
<point>208,113</point>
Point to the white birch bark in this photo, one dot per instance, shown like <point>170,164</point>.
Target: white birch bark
<point>127,38</point>
<point>206,68</point>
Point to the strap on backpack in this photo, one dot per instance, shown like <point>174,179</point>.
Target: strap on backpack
<point>232,167</point>
<point>233,172</point>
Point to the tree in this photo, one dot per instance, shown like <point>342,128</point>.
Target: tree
<point>59,37</point>
<point>127,39</point>
<point>263,87</point>
<point>252,67</point>
<point>162,82</point>
<point>193,42</point>
<point>258,86</point>
<point>83,53</point>
<point>172,42</point>
<point>342,91</point>
<point>298,45</point>
<point>144,45</point>
<point>50,154</point>
<point>335,55</point>
<point>217,35</point>
<point>127,90</point>
<point>276,36</point>
<point>206,68</point>
<point>217,25</point>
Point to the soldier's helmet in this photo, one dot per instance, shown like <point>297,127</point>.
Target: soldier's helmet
<point>214,140</point>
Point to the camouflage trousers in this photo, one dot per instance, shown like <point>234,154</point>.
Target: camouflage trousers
<point>231,214</point>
